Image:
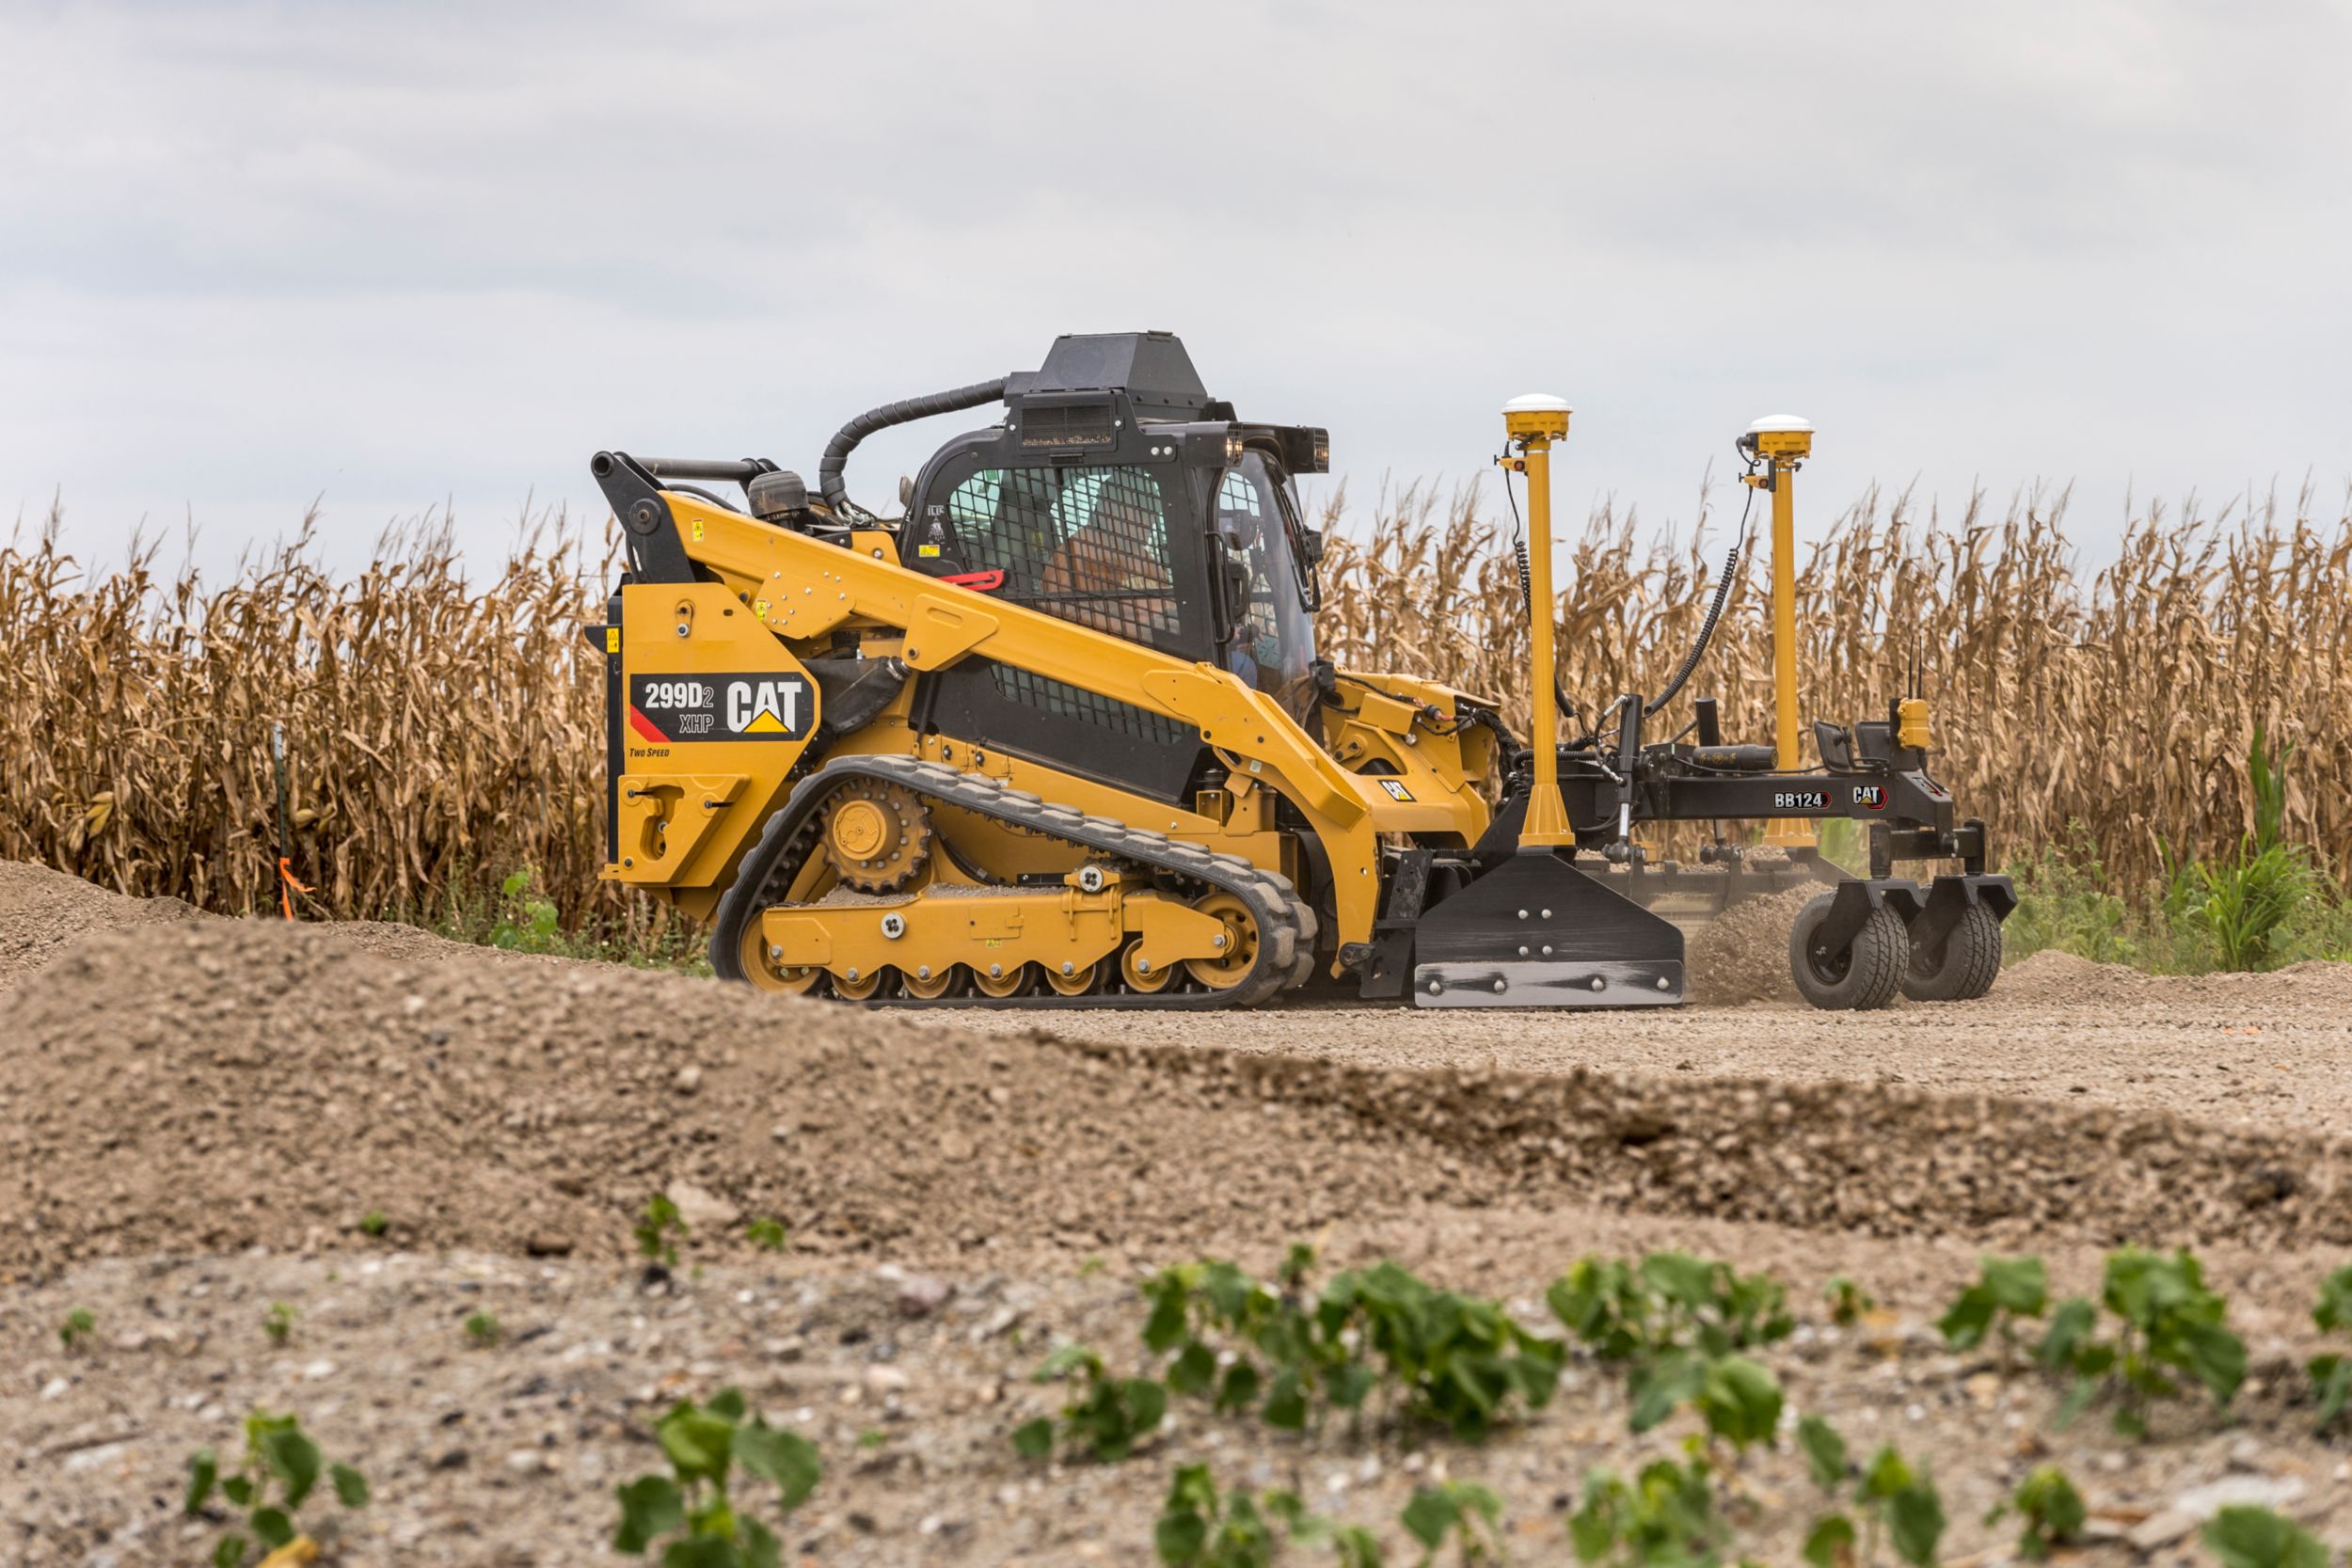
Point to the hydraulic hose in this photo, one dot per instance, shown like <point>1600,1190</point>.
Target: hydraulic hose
<point>1706,628</point>
<point>829,483</point>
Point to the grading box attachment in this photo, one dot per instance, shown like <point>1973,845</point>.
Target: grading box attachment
<point>1537,932</point>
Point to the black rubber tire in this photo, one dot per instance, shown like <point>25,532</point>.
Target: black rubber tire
<point>1964,967</point>
<point>1872,967</point>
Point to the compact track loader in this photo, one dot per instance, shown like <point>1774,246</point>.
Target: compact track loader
<point>1058,736</point>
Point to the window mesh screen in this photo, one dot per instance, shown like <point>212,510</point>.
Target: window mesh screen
<point>1088,544</point>
<point>1072,701</point>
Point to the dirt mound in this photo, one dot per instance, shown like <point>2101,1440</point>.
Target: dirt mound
<point>219,1084</point>
<point>223,1085</point>
<point>2053,978</point>
<point>42,911</point>
<point>1742,954</point>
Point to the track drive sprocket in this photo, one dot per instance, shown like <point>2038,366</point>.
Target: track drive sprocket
<point>878,835</point>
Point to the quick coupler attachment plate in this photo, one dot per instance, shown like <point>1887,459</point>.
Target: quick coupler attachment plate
<point>1537,932</point>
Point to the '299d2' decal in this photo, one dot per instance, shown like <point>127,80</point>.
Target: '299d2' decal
<point>766,705</point>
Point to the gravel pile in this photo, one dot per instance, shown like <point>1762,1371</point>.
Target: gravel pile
<point>1742,954</point>
<point>211,1086</point>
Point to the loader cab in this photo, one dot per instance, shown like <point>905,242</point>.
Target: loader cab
<point>1117,495</point>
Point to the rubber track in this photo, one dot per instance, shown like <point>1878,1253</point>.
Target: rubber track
<point>1286,924</point>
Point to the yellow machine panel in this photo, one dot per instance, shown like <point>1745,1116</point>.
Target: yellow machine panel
<point>717,711</point>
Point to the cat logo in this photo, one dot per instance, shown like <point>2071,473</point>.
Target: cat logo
<point>764,707</point>
<point>1872,796</point>
<point>1396,789</point>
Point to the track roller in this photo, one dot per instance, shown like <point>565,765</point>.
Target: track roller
<point>764,972</point>
<point>1001,980</point>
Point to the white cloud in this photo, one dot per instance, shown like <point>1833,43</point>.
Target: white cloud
<point>392,254</point>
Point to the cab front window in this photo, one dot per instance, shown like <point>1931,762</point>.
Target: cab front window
<point>1272,639</point>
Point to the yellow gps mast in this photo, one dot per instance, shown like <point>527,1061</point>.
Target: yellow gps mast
<point>1782,442</point>
<point>1533,422</point>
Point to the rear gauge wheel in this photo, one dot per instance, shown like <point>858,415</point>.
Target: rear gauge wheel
<point>761,969</point>
<point>1862,977</point>
<point>1963,966</point>
<point>1238,955</point>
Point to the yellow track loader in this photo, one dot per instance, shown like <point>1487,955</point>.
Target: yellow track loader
<point>1057,735</point>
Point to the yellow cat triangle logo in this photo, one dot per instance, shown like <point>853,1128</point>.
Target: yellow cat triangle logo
<point>767,724</point>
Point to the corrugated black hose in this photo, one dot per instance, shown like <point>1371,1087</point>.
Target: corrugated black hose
<point>1714,613</point>
<point>829,481</point>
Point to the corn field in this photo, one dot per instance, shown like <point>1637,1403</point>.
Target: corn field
<point>440,732</point>
<point>436,733</point>
<point>2115,709</point>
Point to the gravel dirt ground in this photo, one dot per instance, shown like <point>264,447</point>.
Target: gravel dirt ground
<point>195,1114</point>
<point>2267,1051</point>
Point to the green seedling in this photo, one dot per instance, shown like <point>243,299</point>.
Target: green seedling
<point>1665,1517</point>
<point>374,1222</point>
<point>1738,1400</point>
<point>1278,1361</point>
<point>525,923</point>
<point>1894,1500</point>
<point>1437,1358</point>
<point>277,1472</point>
<point>1461,1512</point>
<point>2167,1321</point>
<point>2248,1537</point>
<point>2006,1291</point>
<point>658,1231</point>
<point>1459,1362</point>
<point>1678,1322</point>
<point>1198,1528</point>
<point>277,1322</point>
<point>1106,1417</point>
<point>78,1326</point>
<point>768,1234</point>
<point>1897,1503</point>
<point>693,1509</point>
<point>2331,1372</point>
<point>483,1330</point>
<point>1826,1457</point>
<point>2052,1511</point>
<point>1668,1302</point>
<point>873,1439</point>
<point>1848,1301</point>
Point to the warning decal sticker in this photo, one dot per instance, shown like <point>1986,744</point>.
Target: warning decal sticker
<point>766,704</point>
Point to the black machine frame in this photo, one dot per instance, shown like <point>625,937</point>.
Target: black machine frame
<point>1614,783</point>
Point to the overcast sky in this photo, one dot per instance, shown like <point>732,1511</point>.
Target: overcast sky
<point>393,255</point>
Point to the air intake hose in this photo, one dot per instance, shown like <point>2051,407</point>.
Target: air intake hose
<point>845,441</point>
